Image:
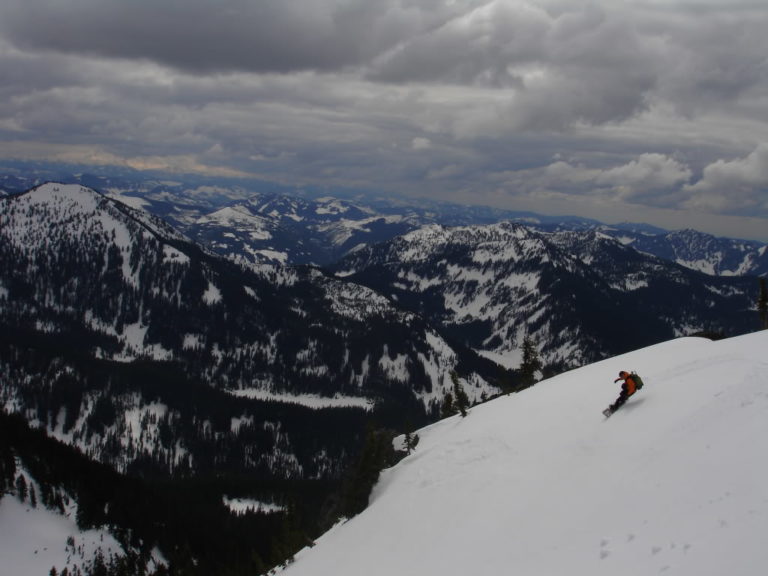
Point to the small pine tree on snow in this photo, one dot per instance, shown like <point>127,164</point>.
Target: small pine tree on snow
<point>411,440</point>
<point>762,304</point>
<point>21,487</point>
<point>462,401</point>
<point>531,362</point>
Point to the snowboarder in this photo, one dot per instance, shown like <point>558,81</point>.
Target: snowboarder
<point>628,387</point>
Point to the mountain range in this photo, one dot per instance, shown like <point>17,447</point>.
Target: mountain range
<point>297,230</point>
<point>259,222</point>
<point>582,295</point>
<point>117,287</point>
<point>189,335</point>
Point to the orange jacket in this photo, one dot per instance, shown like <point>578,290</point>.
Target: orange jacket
<point>629,384</point>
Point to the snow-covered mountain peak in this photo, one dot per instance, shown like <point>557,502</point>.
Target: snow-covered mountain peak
<point>540,483</point>
<point>52,208</point>
<point>74,193</point>
<point>60,202</point>
<point>64,206</point>
<point>328,205</point>
<point>501,241</point>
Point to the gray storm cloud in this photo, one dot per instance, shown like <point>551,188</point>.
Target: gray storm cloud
<point>647,103</point>
<point>206,36</point>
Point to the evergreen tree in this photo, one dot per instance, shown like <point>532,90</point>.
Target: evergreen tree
<point>411,440</point>
<point>21,487</point>
<point>447,409</point>
<point>505,380</point>
<point>762,304</point>
<point>531,362</point>
<point>462,401</point>
<point>377,453</point>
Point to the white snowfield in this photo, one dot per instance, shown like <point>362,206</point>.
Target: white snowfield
<point>34,539</point>
<point>540,484</point>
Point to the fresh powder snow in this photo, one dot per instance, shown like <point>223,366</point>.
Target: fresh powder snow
<point>540,483</point>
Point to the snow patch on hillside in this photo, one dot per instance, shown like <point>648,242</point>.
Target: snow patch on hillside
<point>212,294</point>
<point>313,401</point>
<point>171,254</point>
<point>238,217</point>
<point>135,202</point>
<point>35,539</point>
<point>396,368</point>
<point>434,362</point>
<point>240,506</point>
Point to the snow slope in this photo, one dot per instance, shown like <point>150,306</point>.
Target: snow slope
<point>539,483</point>
<point>34,539</point>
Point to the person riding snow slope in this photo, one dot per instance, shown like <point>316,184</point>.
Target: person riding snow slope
<point>628,388</point>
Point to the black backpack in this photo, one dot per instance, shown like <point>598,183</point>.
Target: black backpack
<point>638,381</point>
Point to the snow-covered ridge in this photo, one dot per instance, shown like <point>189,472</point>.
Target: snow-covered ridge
<point>65,224</point>
<point>699,251</point>
<point>541,483</point>
<point>294,230</point>
<point>505,281</point>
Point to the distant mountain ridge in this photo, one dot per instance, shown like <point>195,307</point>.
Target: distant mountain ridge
<point>700,251</point>
<point>296,230</point>
<point>300,227</point>
<point>581,295</point>
<point>293,230</point>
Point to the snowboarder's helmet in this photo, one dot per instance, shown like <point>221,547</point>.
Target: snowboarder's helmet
<point>622,374</point>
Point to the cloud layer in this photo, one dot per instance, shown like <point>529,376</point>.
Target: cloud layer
<point>607,108</point>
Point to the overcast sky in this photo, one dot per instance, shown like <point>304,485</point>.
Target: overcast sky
<point>646,110</point>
